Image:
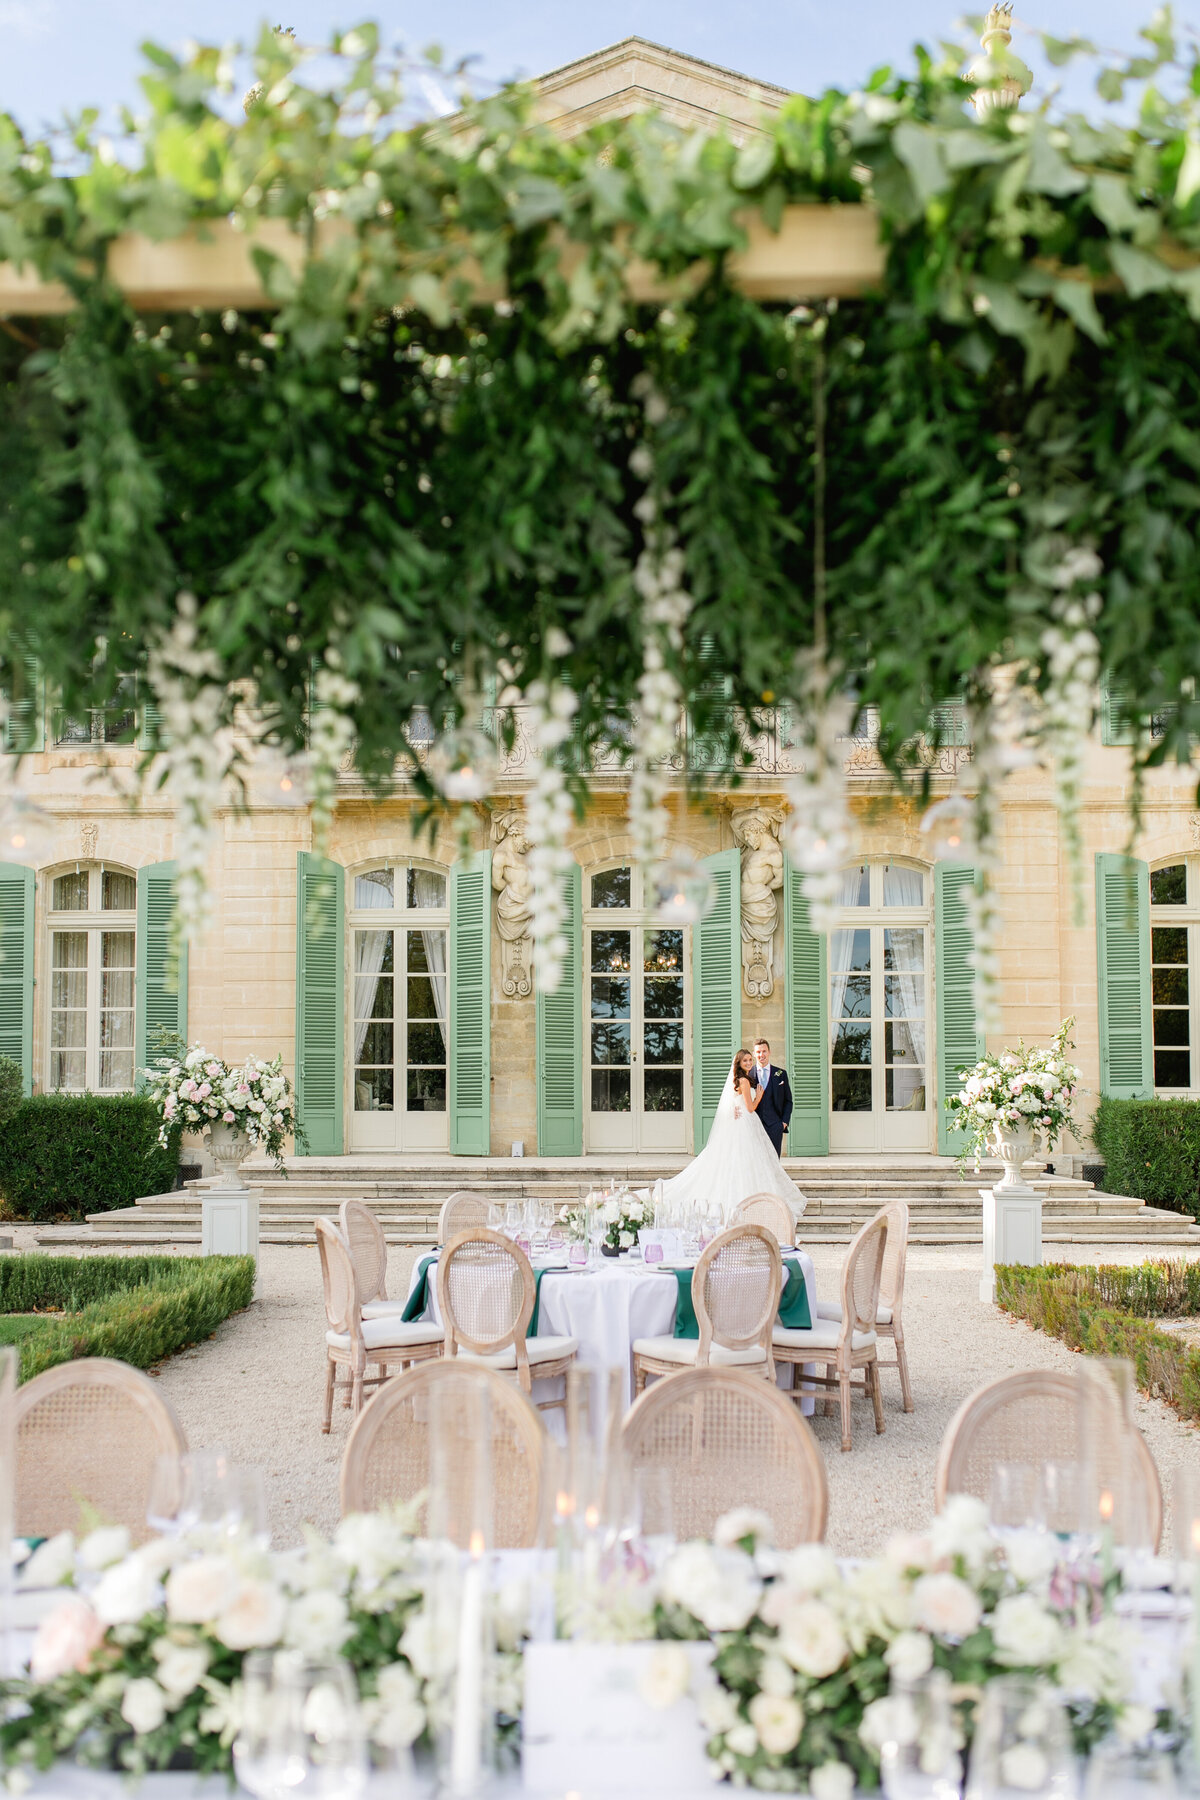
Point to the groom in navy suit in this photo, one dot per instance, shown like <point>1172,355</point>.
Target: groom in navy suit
<point>775,1107</point>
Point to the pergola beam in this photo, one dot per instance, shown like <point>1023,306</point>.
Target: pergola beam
<point>818,252</point>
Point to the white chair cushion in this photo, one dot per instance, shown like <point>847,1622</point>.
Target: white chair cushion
<point>384,1309</point>
<point>685,1350</point>
<point>829,1309</point>
<point>537,1350</point>
<point>388,1334</point>
<point>823,1336</point>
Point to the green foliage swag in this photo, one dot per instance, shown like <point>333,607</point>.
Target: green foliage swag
<point>1109,1311</point>
<point>1151,1148</point>
<point>63,1156</point>
<point>137,1309</point>
<point>377,471</point>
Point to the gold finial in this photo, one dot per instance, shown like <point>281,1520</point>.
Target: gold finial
<point>999,74</point>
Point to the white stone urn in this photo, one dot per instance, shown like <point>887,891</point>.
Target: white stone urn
<point>229,1148</point>
<point>1015,1148</point>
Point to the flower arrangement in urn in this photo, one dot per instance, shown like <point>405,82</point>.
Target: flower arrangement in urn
<point>195,1089</point>
<point>1011,1099</point>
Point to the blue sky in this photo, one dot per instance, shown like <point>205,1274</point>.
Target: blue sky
<point>60,54</point>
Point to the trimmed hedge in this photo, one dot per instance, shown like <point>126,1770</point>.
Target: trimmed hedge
<point>63,1156</point>
<point>1151,1149</point>
<point>1103,1311</point>
<point>137,1309</point>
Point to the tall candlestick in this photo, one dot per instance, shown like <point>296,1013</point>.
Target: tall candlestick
<point>466,1749</point>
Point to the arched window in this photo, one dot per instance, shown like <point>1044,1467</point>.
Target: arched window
<point>399,1023</point>
<point>92,912</point>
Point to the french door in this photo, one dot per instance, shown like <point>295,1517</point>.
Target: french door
<point>635,1009</point>
<point>879,1041</point>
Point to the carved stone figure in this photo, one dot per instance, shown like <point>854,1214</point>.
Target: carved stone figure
<point>514,888</point>
<point>756,832</point>
<point>89,837</point>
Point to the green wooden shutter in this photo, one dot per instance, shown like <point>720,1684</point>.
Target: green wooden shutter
<point>960,1042</point>
<point>716,990</point>
<point>16,967</point>
<point>320,1025</point>
<point>162,968</point>
<point>471,1005</point>
<point>560,1040</point>
<point>807,1023</point>
<point>1115,727</point>
<point>948,723</point>
<point>149,716</point>
<point>1123,977</point>
<point>25,725</point>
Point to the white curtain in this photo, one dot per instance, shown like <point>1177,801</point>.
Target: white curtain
<point>429,889</point>
<point>907,959</point>
<point>370,948</point>
<point>374,891</point>
<point>903,887</point>
<point>841,955</point>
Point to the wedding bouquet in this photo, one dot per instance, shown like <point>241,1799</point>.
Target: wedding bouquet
<point>1029,1089</point>
<point>138,1665</point>
<point>807,1652</point>
<point>196,1089</point>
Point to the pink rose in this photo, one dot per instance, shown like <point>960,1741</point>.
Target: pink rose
<point>228,1117</point>
<point>204,1090</point>
<point>65,1639</point>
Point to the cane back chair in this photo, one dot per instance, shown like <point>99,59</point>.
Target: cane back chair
<point>486,1291</point>
<point>847,1344</point>
<point>351,1342</point>
<point>735,1294</point>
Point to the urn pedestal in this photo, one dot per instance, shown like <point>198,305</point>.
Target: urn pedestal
<point>229,1209</point>
<point>1012,1213</point>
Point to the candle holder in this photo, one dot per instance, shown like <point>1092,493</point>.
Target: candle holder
<point>460,1512</point>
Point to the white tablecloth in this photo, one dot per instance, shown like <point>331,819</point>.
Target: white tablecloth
<point>605,1309</point>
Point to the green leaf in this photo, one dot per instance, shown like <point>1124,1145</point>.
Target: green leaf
<point>1187,183</point>
<point>754,162</point>
<point>1140,274</point>
<point>920,150</point>
<point>1049,170</point>
<point>1112,202</point>
<point>1077,299</point>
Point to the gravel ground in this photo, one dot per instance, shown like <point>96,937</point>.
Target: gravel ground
<point>256,1387</point>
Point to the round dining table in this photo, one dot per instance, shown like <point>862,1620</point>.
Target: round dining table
<point>605,1308</point>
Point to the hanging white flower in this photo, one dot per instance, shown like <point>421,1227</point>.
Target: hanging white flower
<point>548,815</point>
<point>818,834</point>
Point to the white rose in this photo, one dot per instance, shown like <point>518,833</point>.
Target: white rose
<point>810,1569</point>
<point>892,1720</point>
<point>908,1550</point>
<point>946,1606</point>
<point>1024,1632</point>
<point>775,1677</point>
<point>625,1239</point>
<point>961,1529</point>
<point>611,1212</point>
<point>717,1709</point>
<point>743,1522</point>
<point>144,1705</point>
<point>909,1656</point>
<point>1134,1723</point>
<point>400,1717</point>
<point>832,1781</point>
<point>1031,1556</point>
<point>50,1563</point>
<point>101,1548</point>
<point>1024,1766</point>
<point>811,1639</point>
<point>742,1740</point>
<point>666,1676</point>
<point>429,1653</point>
<point>720,1587</point>
<point>181,1668</point>
<point>778,1719</point>
<point>198,1590</point>
<point>125,1593</point>
<point>255,1617</point>
<point>318,1622</point>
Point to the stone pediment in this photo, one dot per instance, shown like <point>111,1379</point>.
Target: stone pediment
<point>636,76</point>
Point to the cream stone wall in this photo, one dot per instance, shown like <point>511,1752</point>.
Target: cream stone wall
<point>242,970</point>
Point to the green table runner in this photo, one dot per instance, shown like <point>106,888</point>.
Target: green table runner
<point>793,1301</point>
<point>418,1300</point>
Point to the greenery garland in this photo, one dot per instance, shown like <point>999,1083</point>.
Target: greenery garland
<point>379,475</point>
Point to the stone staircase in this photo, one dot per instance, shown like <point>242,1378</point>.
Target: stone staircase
<point>842,1192</point>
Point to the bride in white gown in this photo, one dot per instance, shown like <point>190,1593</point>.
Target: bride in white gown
<point>739,1158</point>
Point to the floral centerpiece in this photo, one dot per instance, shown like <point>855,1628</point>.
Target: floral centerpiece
<point>1021,1094</point>
<point>623,1214</point>
<point>138,1665</point>
<point>199,1090</point>
<point>807,1652</point>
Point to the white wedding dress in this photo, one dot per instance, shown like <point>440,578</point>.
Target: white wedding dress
<point>738,1160</point>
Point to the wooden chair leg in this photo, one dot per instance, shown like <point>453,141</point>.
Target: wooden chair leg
<point>902,1365</point>
<point>873,1383</point>
<point>844,1403</point>
<point>356,1392</point>
<point>330,1371</point>
<point>639,1375</point>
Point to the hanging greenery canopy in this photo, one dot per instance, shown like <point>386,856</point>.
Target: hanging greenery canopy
<point>411,463</point>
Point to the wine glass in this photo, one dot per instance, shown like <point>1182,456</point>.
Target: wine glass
<point>920,1762</point>
<point>512,1218</point>
<point>495,1216</point>
<point>1022,1743</point>
<point>188,1490</point>
<point>1060,1498</point>
<point>300,1730</point>
<point>1014,1501</point>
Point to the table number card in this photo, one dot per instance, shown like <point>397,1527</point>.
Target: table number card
<point>587,1730</point>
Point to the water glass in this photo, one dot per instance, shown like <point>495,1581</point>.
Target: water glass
<point>205,1490</point>
<point>577,1255</point>
<point>1014,1498</point>
<point>300,1731</point>
<point>1119,1771</point>
<point>1022,1743</point>
<point>495,1216</point>
<point>921,1762</point>
<point>1060,1499</point>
